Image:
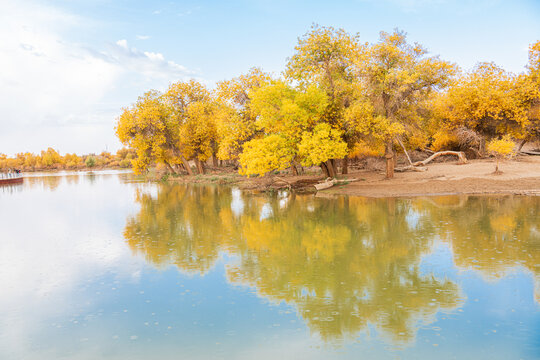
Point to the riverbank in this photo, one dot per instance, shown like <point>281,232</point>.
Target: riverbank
<point>520,176</point>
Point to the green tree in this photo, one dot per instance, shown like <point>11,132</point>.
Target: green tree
<point>90,161</point>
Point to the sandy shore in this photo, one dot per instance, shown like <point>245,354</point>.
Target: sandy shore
<point>520,176</point>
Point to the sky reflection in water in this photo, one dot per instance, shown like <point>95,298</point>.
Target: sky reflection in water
<point>100,266</point>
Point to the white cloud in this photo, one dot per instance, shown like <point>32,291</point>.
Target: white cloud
<point>143,37</point>
<point>151,65</point>
<point>122,44</point>
<point>59,86</point>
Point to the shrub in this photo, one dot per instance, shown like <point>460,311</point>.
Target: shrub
<point>90,161</point>
<point>501,148</point>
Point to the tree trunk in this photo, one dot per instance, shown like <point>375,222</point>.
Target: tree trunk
<point>389,155</point>
<point>171,169</point>
<point>214,160</point>
<point>294,170</point>
<point>482,146</point>
<point>298,166</point>
<point>186,165</point>
<point>200,165</point>
<point>405,151</point>
<point>345,165</point>
<point>334,166</point>
<point>459,154</point>
<point>331,168</point>
<point>523,142</point>
<point>324,169</point>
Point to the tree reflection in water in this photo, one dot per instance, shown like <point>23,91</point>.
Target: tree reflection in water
<point>342,263</point>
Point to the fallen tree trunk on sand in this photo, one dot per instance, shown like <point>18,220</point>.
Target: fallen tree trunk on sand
<point>410,168</point>
<point>530,152</point>
<point>459,154</point>
<point>416,166</point>
<point>328,183</point>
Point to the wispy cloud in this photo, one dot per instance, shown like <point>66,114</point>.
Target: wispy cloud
<point>49,81</point>
<point>143,37</point>
<point>152,65</point>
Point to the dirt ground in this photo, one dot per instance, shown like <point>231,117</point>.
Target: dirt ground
<point>520,176</point>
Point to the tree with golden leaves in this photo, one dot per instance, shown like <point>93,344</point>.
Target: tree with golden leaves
<point>149,127</point>
<point>487,100</point>
<point>235,120</point>
<point>324,57</point>
<point>171,128</point>
<point>395,78</point>
<point>501,148</point>
<point>291,118</point>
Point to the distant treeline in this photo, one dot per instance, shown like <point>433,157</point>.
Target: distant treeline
<point>50,159</point>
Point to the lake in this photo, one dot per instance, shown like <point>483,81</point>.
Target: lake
<point>102,266</point>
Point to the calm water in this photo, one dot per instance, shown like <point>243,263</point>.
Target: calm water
<point>98,266</point>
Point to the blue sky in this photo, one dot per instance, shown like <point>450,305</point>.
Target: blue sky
<point>69,66</point>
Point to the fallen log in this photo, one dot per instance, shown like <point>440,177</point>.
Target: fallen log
<point>459,154</point>
<point>324,185</point>
<point>528,152</point>
<point>410,168</point>
<point>328,183</point>
<point>404,150</point>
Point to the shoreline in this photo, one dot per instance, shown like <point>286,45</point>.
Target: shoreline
<point>520,176</point>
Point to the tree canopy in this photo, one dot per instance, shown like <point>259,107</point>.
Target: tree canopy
<point>337,97</point>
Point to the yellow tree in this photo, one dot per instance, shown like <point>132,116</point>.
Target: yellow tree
<point>529,84</point>
<point>51,158</point>
<point>395,79</point>
<point>287,116</point>
<point>72,160</point>
<point>322,144</point>
<point>501,148</point>
<point>170,128</point>
<point>194,111</point>
<point>198,136</point>
<point>487,100</point>
<point>150,128</point>
<point>235,120</point>
<point>324,57</point>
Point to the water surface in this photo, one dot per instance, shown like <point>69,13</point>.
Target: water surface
<point>98,265</point>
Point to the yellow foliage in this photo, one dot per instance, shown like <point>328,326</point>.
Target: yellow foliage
<point>444,140</point>
<point>198,133</point>
<point>501,147</point>
<point>336,93</point>
<point>235,121</point>
<point>261,156</point>
<point>323,144</point>
<point>488,100</point>
<point>364,149</point>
